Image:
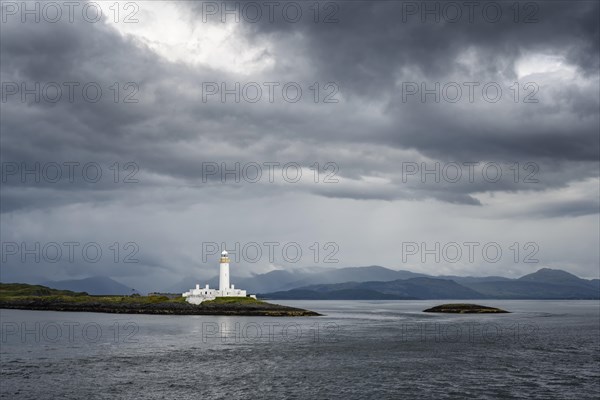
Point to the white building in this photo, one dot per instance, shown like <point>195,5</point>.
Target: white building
<point>198,295</point>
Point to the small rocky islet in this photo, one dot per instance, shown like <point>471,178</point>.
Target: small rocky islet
<point>465,309</point>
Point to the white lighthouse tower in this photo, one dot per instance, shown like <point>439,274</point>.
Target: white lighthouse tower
<point>224,273</point>
<point>198,295</point>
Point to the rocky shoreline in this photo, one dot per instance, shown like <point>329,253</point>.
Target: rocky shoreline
<point>233,309</point>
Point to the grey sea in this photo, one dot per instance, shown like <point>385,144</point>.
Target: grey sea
<point>357,350</point>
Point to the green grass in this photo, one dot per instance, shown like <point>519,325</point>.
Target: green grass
<point>22,291</point>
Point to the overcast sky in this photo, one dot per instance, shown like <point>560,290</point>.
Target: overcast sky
<point>518,95</point>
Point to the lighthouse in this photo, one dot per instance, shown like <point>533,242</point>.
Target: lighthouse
<point>198,294</point>
<point>224,273</point>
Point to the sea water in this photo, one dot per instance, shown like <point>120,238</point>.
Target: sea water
<point>356,350</point>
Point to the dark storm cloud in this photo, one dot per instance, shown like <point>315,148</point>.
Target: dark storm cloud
<point>372,39</point>
<point>368,53</point>
<point>372,135</point>
<point>367,50</point>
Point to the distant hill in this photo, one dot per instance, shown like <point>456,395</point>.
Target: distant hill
<point>353,274</point>
<point>98,285</point>
<point>473,279</point>
<point>414,288</point>
<point>371,282</point>
<point>428,288</point>
<point>543,284</point>
<point>557,277</point>
<point>8,290</point>
<point>384,283</point>
<point>533,290</point>
<point>341,294</point>
<point>280,280</point>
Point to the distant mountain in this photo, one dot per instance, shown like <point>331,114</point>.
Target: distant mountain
<point>472,279</point>
<point>98,285</point>
<point>273,280</point>
<point>557,277</point>
<point>385,283</point>
<point>425,288</point>
<point>543,284</point>
<point>533,290</point>
<point>280,280</point>
<point>414,288</point>
<point>341,294</point>
<point>353,274</point>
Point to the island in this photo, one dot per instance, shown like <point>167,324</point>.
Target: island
<point>462,308</point>
<point>36,297</point>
